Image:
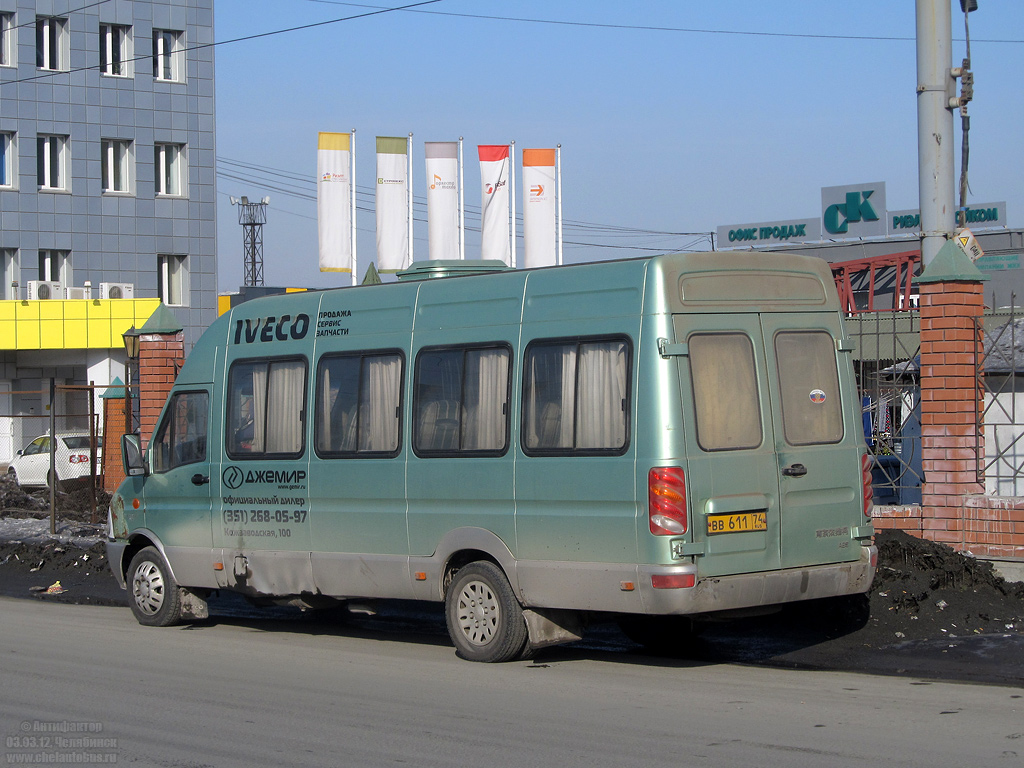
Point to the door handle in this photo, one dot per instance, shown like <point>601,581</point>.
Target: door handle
<point>198,479</point>
<point>797,470</point>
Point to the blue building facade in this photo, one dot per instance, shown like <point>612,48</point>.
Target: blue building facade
<point>107,134</point>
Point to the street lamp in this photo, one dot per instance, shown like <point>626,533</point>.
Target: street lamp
<point>132,342</point>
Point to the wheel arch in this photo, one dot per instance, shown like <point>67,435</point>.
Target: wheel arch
<point>463,546</point>
<point>137,541</point>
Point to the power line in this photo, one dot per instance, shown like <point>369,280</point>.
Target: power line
<point>654,28</point>
<point>379,10</point>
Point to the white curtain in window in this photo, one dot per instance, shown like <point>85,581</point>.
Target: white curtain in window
<point>378,429</point>
<point>566,406</point>
<point>602,392</point>
<point>484,400</point>
<point>284,404</point>
<point>259,409</point>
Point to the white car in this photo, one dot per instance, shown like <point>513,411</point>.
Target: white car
<point>31,467</point>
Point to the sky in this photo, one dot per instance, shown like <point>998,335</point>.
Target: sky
<point>674,117</point>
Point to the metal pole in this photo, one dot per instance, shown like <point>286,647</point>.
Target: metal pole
<point>408,195</point>
<point>512,195</point>
<point>53,458</point>
<point>352,195</point>
<point>462,208</point>
<point>558,195</point>
<point>935,87</point>
<point>92,452</point>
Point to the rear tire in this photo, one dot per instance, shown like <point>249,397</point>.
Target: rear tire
<point>485,621</point>
<point>153,594</point>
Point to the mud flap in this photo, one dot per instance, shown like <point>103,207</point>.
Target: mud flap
<point>193,607</point>
<point>550,626</point>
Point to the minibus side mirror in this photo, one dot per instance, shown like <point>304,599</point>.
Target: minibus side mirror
<point>132,457</point>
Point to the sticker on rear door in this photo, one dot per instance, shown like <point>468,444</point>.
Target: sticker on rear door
<point>817,396</point>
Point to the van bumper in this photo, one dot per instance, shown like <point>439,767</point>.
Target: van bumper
<point>115,551</point>
<point>748,590</point>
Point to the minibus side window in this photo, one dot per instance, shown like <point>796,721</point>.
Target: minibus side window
<point>812,413</point>
<point>358,405</point>
<point>461,401</point>
<point>181,437</point>
<point>266,408</point>
<point>725,393</point>
<point>575,396</point>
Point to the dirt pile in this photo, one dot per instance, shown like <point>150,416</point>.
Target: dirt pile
<point>924,590</point>
<point>73,502</point>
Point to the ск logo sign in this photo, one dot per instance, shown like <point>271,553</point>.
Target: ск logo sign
<point>856,208</point>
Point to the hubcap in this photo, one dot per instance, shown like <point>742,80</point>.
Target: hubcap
<point>148,588</point>
<point>478,613</point>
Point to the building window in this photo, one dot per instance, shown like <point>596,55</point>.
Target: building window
<point>8,173</point>
<point>115,50</point>
<point>55,266</point>
<point>7,38</point>
<point>52,162</point>
<point>168,56</point>
<point>169,161</point>
<point>116,165</point>
<point>51,43</point>
<point>172,279</point>
<point>10,278</point>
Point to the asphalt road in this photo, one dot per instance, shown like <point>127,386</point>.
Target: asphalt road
<point>245,692</point>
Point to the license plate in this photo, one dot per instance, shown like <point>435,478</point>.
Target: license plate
<point>737,523</point>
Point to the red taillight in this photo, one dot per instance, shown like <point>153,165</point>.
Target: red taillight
<point>673,580</point>
<point>869,493</point>
<point>79,459</point>
<point>666,501</point>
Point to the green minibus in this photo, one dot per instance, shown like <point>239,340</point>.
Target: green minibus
<point>650,440</point>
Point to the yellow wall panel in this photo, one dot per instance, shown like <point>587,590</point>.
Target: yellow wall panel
<point>71,324</point>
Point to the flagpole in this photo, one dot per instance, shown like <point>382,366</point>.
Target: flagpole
<point>409,196</point>
<point>558,197</point>
<point>462,209</point>
<point>352,212</point>
<point>512,195</point>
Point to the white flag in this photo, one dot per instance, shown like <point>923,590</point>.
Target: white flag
<point>333,201</point>
<point>494,227</point>
<point>392,204</point>
<point>443,198</point>
<point>539,207</point>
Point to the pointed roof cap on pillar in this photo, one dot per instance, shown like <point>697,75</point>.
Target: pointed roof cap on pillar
<point>162,320</point>
<point>950,265</point>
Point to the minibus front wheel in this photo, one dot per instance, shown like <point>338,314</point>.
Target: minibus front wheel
<point>153,594</point>
<point>485,621</point>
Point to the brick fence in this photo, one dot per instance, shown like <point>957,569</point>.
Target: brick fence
<point>954,509</point>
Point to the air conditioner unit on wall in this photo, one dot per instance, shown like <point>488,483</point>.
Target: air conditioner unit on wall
<point>117,291</point>
<point>40,290</point>
<point>78,293</point>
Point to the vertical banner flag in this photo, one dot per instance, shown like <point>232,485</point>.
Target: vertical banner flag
<point>333,202</point>
<point>494,229</point>
<point>442,198</point>
<point>539,207</point>
<point>392,204</point>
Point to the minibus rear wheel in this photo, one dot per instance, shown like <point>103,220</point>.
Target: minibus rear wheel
<point>153,594</point>
<point>485,621</point>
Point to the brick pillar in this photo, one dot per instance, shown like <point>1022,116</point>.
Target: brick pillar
<point>160,358</point>
<point>951,399</point>
<point>116,418</point>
